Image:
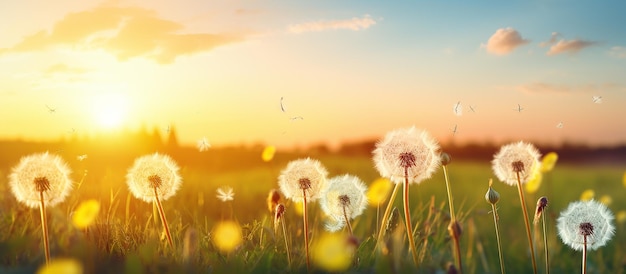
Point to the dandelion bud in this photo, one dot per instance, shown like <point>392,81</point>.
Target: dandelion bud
<point>451,269</point>
<point>272,200</point>
<point>455,230</point>
<point>492,196</point>
<point>445,159</point>
<point>541,205</point>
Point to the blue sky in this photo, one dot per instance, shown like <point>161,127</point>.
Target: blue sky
<point>350,69</point>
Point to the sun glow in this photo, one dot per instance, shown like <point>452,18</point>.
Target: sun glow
<point>110,109</point>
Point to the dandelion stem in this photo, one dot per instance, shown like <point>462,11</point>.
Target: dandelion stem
<point>407,216</point>
<point>345,216</point>
<point>44,227</point>
<point>526,222</point>
<point>496,222</point>
<point>584,270</point>
<point>306,230</point>
<point>282,220</point>
<point>545,243</point>
<point>453,224</point>
<point>386,214</point>
<point>162,214</point>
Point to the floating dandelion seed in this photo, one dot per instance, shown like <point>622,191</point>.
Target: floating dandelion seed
<point>296,118</point>
<point>51,110</point>
<point>591,212</point>
<point>41,180</point>
<point>302,181</point>
<point>282,106</point>
<point>559,125</point>
<point>455,130</point>
<point>519,108</point>
<point>587,195</point>
<point>268,153</point>
<point>203,144</point>
<point>154,178</point>
<point>472,108</point>
<point>457,109</point>
<point>597,99</point>
<point>225,193</point>
<point>342,200</point>
<point>86,214</point>
<point>81,158</point>
<point>227,236</point>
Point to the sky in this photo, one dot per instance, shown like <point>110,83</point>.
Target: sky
<point>295,73</point>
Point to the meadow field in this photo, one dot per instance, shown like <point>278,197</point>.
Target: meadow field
<point>127,235</point>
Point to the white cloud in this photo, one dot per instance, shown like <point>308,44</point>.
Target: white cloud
<point>504,41</point>
<point>569,46</point>
<point>354,24</point>
<point>618,52</point>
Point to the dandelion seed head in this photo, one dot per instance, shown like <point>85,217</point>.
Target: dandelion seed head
<point>513,159</point>
<point>150,171</point>
<point>411,149</point>
<point>225,194</point>
<point>345,192</point>
<point>302,176</point>
<point>591,219</point>
<point>40,173</point>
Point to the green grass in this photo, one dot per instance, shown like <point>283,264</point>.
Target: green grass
<point>132,242</point>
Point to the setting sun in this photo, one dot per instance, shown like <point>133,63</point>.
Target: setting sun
<point>110,110</point>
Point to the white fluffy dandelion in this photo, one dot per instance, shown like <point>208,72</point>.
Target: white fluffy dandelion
<point>409,148</point>
<point>592,212</point>
<point>406,156</point>
<point>41,180</point>
<point>40,173</point>
<point>154,178</point>
<point>302,181</point>
<point>344,199</point>
<point>515,159</point>
<point>302,177</point>
<point>153,171</point>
